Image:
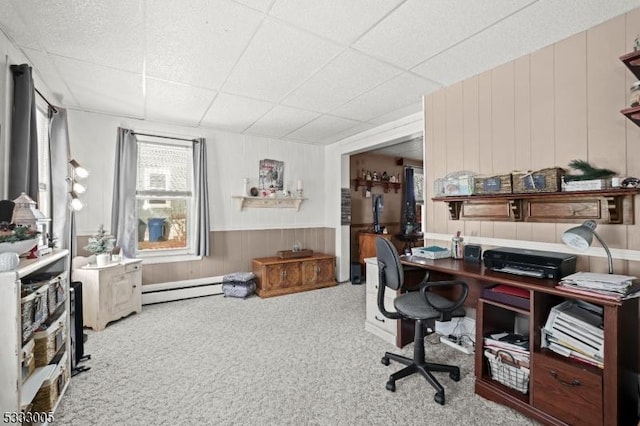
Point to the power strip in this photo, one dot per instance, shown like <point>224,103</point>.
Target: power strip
<point>465,349</point>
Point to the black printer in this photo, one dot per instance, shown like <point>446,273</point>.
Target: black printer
<point>531,263</point>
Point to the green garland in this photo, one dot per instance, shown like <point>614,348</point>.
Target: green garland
<point>588,171</point>
<point>20,233</point>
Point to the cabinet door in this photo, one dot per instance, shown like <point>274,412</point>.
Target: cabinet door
<point>309,272</point>
<point>326,270</point>
<point>282,275</point>
<point>121,296</point>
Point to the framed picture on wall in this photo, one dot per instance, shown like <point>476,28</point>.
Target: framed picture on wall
<point>418,184</point>
<point>271,174</point>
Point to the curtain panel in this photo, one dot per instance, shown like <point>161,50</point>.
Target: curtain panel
<point>201,197</point>
<point>61,222</point>
<point>124,225</point>
<point>23,146</point>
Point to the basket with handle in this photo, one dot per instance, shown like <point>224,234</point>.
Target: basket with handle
<point>506,371</point>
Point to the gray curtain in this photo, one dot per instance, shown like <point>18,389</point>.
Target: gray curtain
<point>201,197</point>
<point>61,221</point>
<point>23,146</point>
<point>123,210</point>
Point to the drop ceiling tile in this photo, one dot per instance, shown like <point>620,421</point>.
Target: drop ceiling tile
<point>401,91</point>
<point>47,71</point>
<point>278,59</point>
<point>281,121</point>
<point>176,103</point>
<point>516,35</point>
<point>101,89</point>
<point>322,128</point>
<point>197,42</point>
<point>362,127</point>
<point>261,5</point>
<point>397,114</point>
<point>234,113</point>
<point>419,29</point>
<point>105,32</point>
<point>14,26</point>
<point>346,77</point>
<point>338,20</point>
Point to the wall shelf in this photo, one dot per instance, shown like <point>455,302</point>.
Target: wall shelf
<point>611,206</point>
<point>632,61</point>
<point>268,202</point>
<point>386,185</point>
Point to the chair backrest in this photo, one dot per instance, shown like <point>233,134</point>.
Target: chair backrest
<point>390,268</point>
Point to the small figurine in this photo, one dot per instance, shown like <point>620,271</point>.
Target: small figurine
<point>385,177</point>
<point>368,177</point>
<point>375,175</point>
<point>392,179</point>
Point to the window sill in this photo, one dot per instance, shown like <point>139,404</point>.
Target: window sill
<point>154,259</point>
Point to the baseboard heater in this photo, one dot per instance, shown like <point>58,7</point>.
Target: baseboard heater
<point>178,290</point>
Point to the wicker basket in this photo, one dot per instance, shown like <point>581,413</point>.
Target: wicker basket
<point>50,391</point>
<point>500,184</point>
<point>508,372</point>
<point>50,340</point>
<point>27,359</point>
<point>41,302</point>
<point>27,302</point>
<point>544,180</point>
<point>56,291</point>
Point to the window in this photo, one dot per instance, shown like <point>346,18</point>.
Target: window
<point>165,198</point>
<point>44,164</point>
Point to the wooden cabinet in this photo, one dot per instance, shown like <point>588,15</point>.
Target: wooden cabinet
<point>367,244</point>
<point>110,292</point>
<point>632,61</point>
<point>276,276</point>
<point>22,386</point>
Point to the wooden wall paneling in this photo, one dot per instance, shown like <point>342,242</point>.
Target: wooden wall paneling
<point>439,152</point>
<point>429,174</point>
<point>485,137</point>
<point>607,94</point>
<point>542,109</point>
<point>455,139</point>
<point>522,128</point>
<point>570,77</point>
<point>470,136</point>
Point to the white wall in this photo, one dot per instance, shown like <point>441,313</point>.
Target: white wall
<point>231,157</point>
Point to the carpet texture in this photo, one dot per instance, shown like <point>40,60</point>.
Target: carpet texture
<point>300,359</point>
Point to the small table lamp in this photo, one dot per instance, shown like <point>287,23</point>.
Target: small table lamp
<point>580,238</point>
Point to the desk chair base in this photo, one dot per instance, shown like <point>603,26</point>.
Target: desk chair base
<point>418,365</point>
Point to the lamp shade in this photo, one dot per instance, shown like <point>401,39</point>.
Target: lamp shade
<point>581,237</point>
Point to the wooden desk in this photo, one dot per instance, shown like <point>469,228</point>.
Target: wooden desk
<point>607,396</point>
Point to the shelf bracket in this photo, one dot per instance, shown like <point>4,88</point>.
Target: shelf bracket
<point>455,207</point>
<point>516,209</point>
<point>614,204</point>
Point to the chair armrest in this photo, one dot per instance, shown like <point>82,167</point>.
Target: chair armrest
<point>426,286</point>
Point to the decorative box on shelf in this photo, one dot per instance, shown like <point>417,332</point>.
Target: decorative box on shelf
<point>586,185</point>
<point>543,180</point>
<point>454,185</point>
<point>499,184</point>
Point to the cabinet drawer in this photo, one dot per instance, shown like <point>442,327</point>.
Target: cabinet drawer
<point>132,267</point>
<point>374,316</point>
<point>567,391</point>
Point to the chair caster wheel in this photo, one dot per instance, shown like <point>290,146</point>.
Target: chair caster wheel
<point>439,398</point>
<point>454,376</point>
<point>385,360</point>
<point>391,386</point>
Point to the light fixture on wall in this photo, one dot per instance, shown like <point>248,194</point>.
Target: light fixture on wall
<point>77,172</point>
<point>580,238</point>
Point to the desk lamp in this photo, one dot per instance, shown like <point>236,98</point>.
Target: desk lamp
<point>580,238</point>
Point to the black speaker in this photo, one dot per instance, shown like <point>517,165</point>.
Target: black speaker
<point>356,273</point>
<point>472,253</point>
<point>77,324</point>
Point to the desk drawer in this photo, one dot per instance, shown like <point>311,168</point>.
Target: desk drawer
<point>374,316</point>
<point>567,391</point>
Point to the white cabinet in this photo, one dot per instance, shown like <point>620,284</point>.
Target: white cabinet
<point>376,323</point>
<point>21,387</point>
<point>110,292</point>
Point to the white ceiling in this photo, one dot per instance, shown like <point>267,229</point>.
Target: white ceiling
<point>309,71</point>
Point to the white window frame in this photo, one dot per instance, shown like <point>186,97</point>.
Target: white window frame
<point>151,256</point>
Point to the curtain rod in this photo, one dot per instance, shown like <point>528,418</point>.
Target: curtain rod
<point>45,99</point>
<point>164,137</point>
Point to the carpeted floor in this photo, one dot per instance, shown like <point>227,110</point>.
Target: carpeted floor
<point>301,359</point>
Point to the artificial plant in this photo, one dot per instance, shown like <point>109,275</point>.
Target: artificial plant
<point>588,171</point>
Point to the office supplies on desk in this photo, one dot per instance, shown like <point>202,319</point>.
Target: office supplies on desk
<point>431,252</point>
<point>532,263</point>
<point>607,286</point>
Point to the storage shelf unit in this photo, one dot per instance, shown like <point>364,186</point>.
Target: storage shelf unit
<point>632,61</point>
<point>611,206</point>
<point>386,185</point>
<point>16,394</point>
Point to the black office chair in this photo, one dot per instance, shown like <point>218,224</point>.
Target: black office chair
<point>423,306</point>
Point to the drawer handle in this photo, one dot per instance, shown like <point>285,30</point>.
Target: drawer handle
<point>574,382</point>
<point>379,319</point>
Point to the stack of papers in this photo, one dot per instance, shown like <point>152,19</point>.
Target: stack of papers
<point>519,350</point>
<point>606,286</point>
<point>575,329</point>
<point>431,252</point>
